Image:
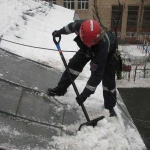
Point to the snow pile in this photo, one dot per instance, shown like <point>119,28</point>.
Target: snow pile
<point>103,137</point>
<point>131,50</point>
<point>32,23</point>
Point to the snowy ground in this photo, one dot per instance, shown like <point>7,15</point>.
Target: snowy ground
<point>137,56</point>
<point>29,22</point>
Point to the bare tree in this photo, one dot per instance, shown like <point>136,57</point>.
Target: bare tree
<point>139,27</point>
<point>96,14</point>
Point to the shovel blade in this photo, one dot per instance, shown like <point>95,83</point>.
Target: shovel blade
<point>91,122</point>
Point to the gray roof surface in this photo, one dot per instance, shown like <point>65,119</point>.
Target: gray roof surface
<point>16,74</point>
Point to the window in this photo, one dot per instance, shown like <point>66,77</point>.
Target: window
<point>130,34</point>
<point>54,1</point>
<point>118,34</point>
<point>116,12</point>
<point>68,4</point>
<point>145,35</point>
<point>146,19</point>
<point>132,18</point>
<point>83,4</point>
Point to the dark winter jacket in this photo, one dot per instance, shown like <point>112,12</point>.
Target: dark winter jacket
<point>99,54</point>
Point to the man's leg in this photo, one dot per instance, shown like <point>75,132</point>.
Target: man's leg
<point>75,65</point>
<point>109,86</point>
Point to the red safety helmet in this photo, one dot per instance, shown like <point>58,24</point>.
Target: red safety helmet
<point>90,32</point>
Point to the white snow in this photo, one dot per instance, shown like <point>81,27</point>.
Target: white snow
<point>32,23</point>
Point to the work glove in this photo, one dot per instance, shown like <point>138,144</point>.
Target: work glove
<point>56,33</point>
<point>80,99</point>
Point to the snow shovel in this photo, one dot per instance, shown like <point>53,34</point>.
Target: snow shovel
<point>89,122</point>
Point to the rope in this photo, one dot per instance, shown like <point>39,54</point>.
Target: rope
<point>15,116</point>
<point>41,94</point>
<point>126,114</point>
<point>26,119</point>
<point>33,90</point>
<point>122,109</point>
<point>29,89</point>
<point>8,52</point>
<point>135,119</point>
<point>33,46</point>
<point>139,120</point>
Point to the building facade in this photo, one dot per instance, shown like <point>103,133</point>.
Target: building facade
<point>134,15</point>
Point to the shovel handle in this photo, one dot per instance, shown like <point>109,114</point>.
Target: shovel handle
<point>57,41</point>
<point>66,66</point>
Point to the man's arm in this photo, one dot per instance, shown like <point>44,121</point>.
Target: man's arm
<point>71,27</point>
<point>97,67</point>
<point>68,29</point>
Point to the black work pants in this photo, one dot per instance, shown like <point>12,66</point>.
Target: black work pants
<point>109,83</point>
<point>76,65</point>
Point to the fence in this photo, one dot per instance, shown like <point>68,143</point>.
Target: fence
<point>135,67</point>
<point>144,45</point>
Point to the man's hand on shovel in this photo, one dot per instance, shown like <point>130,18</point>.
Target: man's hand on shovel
<point>81,99</point>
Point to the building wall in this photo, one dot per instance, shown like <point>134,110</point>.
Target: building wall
<point>105,12</point>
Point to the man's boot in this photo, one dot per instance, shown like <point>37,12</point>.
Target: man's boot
<point>57,91</point>
<point>112,112</point>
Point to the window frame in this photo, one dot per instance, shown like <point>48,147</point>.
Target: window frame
<point>132,19</point>
<point>54,2</point>
<point>83,4</point>
<point>70,4</point>
<point>114,15</point>
<point>130,34</point>
<point>146,19</point>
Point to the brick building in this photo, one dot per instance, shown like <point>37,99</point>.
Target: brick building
<point>134,15</point>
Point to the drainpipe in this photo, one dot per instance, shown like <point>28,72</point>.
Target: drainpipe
<point>140,18</point>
